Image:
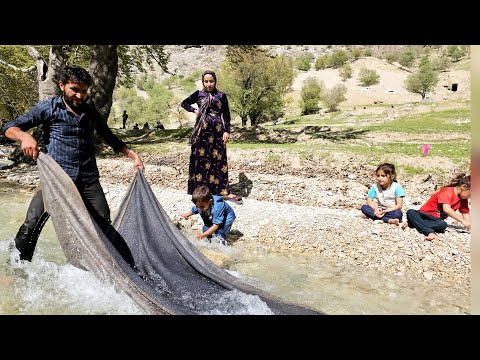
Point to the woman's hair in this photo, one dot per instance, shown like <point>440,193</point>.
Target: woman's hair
<point>459,180</point>
<point>201,194</point>
<point>388,169</point>
<point>75,75</point>
<point>209,72</point>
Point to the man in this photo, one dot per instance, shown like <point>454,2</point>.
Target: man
<point>68,130</point>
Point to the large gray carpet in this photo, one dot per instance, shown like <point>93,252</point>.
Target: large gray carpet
<point>145,255</point>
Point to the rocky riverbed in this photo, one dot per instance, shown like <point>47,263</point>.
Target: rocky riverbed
<point>308,213</point>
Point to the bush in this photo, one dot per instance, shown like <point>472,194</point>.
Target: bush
<point>346,72</point>
<point>368,77</point>
<point>311,93</point>
<point>333,97</point>
<point>303,63</point>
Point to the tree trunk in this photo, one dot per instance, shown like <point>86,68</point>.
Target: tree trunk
<point>244,120</point>
<point>103,68</point>
<point>253,120</point>
<point>48,74</point>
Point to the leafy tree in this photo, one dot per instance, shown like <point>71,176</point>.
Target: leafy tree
<point>407,57</point>
<point>346,72</point>
<point>334,96</point>
<point>303,63</point>
<point>356,53</point>
<point>311,92</point>
<point>456,52</point>
<point>337,59</point>
<point>255,82</point>
<point>422,81</point>
<point>368,77</point>
<point>321,62</point>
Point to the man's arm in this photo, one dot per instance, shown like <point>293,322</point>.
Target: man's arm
<point>27,142</point>
<point>137,161</point>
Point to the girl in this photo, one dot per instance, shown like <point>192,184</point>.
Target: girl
<point>430,218</point>
<point>388,194</point>
<point>211,133</point>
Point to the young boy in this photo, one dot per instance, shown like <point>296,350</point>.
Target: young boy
<point>216,214</point>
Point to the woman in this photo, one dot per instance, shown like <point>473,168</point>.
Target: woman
<point>210,135</point>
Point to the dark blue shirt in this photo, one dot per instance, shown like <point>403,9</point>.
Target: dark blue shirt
<point>69,139</point>
<point>220,213</point>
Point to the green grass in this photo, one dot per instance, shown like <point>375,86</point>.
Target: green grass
<point>428,123</point>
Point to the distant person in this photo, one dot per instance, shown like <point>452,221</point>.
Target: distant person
<point>69,124</point>
<point>135,127</point>
<point>385,198</point>
<point>217,215</point>
<point>146,126</point>
<point>430,218</point>
<point>124,119</point>
<point>211,133</point>
<point>159,125</point>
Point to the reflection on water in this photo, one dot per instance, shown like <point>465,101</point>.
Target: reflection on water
<point>346,290</point>
<point>49,285</point>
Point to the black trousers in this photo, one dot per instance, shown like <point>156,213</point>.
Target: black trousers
<point>27,236</point>
<point>425,223</point>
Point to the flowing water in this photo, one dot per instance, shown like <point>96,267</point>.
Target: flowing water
<point>49,285</point>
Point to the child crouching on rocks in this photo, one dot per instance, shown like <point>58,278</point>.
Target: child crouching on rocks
<point>216,214</point>
<point>430,218</point>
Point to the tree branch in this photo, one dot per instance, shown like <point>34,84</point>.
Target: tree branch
<point>17,68</point>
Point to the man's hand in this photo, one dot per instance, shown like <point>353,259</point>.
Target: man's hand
<point>29,146</point>
<point>28,143</point>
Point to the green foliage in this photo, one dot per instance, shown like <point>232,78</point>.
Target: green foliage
<point>141,80</point>
<point>334,96</point>
<point>445,121</point>
<point>321,62</point>
<point>367,52</point>
<point>134,58</point>
<point>456,52</point>
<point>303,63</point>
<point>18,88</point>
<point>255,83</point>
<point>407,57</point>
<point>391,57</point>
<point>311,93</point>
<point>346,72</point>
<point>337,59</point>
<point>368,77</point>
<point>188,82</point>
<point>356,53</point>
<point>424,80</point>
<point>441,63</point>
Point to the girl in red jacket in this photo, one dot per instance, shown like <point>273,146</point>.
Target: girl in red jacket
<point>430,218</point>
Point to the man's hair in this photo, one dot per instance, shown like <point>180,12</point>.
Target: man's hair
<point>201,194</point>
<point>76,75</point>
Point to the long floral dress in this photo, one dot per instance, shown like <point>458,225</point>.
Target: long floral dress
<point>208,157</point>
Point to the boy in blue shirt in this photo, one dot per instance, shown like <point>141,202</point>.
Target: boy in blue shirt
<point>216,214</point>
